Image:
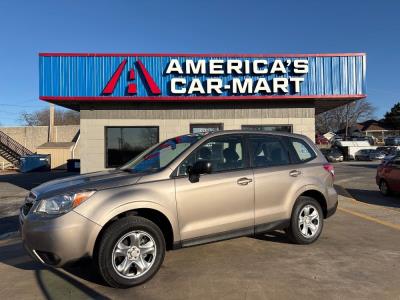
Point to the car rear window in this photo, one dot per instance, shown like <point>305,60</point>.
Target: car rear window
<point>302,150</point>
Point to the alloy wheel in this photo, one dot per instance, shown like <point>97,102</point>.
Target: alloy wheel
<point>308,221</point>
<point>134,254</point>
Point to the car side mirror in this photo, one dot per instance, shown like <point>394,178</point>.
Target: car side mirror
<point>200,167</point>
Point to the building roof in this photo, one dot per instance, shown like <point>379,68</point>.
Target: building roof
<point>373,125</point>
<point>58,145</point>
<point>369,125</point>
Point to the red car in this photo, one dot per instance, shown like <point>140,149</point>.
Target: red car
<point>388,176</point>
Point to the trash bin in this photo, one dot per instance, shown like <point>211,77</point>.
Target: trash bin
<point>35,162</point>
<point>73,165</point>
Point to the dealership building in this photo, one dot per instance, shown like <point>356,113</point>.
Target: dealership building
<point>128,102</point>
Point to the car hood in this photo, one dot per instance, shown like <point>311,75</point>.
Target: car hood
<point>96,181</point>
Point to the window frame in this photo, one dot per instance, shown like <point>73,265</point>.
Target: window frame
<point>106,141</point>
<point>246,160</point>
<point>262,134</point>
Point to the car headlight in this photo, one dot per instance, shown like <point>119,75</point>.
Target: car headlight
<point>61,204</point>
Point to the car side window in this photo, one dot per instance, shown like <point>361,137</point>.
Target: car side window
<point>224,152</point>
<point>302,150</point>
<point>268,151</point>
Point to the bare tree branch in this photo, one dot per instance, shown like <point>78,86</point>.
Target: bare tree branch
<point>344,117</point>
<point>42,117</point>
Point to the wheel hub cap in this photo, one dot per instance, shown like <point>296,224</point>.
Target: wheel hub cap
<point>133,253</point>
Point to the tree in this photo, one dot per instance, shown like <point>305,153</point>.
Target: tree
<point>392,117</point>
<point>344,116</point>
<point>42,117</point>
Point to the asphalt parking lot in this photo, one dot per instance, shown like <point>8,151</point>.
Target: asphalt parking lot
<point>357,256</point>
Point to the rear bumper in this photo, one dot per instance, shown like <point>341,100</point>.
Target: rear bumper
<point>60,240</point>
<point>332,202</point>
<point>331,211</point>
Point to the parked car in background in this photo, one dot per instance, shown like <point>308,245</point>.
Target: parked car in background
<point>188,190</point>
<point>378,155</point>
<point>369,155</point>
<point>390,156</point>
<point>321,140</point>
<point>392,141</point>
<point>387,150</point>
<point>388,176</point>
<point>332,154</point>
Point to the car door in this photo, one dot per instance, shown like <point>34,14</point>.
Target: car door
<point>271,165</point>
<point>221,204</point>
<point>393,175</point>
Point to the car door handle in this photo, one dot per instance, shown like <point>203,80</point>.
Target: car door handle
<point>244,181</point>
<point>295,173</point>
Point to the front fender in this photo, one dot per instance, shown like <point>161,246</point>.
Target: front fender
<point>143,204</point>
<point>106,204</point>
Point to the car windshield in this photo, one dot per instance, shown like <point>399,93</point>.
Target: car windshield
<point>159,156</point>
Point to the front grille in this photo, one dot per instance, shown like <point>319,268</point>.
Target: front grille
<point>29,200</point>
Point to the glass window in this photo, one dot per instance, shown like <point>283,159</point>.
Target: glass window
<point>268,151</point>
<point>125,143</point>
<point>225,153</point>
<point>303,150</point>
<point>205,128</point>
<point>161,155</point>
<point>281,128</point>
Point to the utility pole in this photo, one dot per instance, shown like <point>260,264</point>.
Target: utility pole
<point>51,123</point>
<point>347,121</point>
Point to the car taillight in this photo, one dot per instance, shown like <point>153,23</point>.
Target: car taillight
<point>329,168</point>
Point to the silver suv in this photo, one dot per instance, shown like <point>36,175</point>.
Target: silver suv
<point>188,190</point>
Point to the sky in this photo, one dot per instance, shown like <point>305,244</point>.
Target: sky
<point>203,26</point>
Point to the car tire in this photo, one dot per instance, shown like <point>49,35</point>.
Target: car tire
<point>384,188</point>
<point>301,229</point>
<point>120,260</point>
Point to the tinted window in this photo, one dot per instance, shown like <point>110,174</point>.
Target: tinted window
<point>125,143</point>
<point>302,150</point>
<point>268,151</point>
<point>225,153</point>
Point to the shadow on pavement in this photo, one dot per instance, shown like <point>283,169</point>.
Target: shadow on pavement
<point>273,236</point>
<point>8,224</point>
<point>30,180</point>
<point>375,197</point>
<point>53,283</point>
<point>341,190</point>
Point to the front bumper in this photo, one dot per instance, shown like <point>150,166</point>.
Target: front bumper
<point>58,240</point>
